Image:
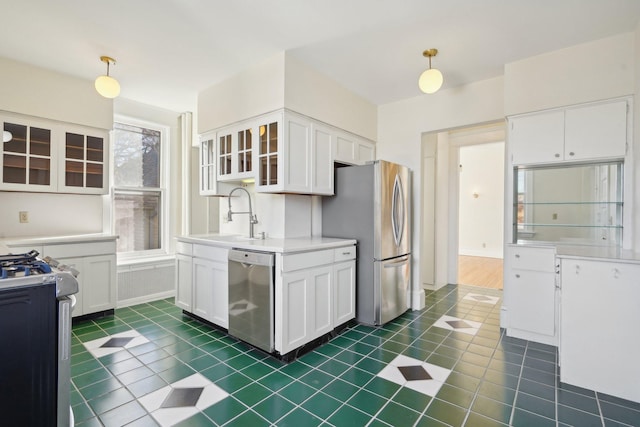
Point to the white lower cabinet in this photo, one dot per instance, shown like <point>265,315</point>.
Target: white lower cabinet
<point>530,293</point>
<point>344,297</point>
<point>96,264</point>
<point>316,293</point>
<point>307,306</point>
<point>598,345</point>
<point>184,271</point>
<point>202,285</point>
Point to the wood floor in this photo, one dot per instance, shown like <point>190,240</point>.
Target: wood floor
<point>480,271</point>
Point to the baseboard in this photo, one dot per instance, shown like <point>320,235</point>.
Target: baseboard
<point>146,298</point>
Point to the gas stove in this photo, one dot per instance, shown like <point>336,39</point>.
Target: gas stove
<point>29,269</point>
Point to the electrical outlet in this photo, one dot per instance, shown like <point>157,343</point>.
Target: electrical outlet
<point>24,217</point>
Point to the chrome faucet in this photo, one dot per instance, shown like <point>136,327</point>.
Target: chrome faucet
<point>252,218</point>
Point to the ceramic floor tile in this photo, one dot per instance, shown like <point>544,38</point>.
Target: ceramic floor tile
<point>479,376</point>
<point>452,323</point>
<point>114,343</point>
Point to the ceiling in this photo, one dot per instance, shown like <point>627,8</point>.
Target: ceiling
<point>169,50</point>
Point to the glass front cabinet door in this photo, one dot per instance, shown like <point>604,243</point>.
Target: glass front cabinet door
<point>26,156</point>
<point>208,159</point>
<point>269,153</point>
<point>84,161</point>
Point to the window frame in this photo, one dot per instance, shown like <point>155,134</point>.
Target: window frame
<point>162,190</point>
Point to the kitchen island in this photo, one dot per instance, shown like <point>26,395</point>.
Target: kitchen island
<point>313,280</point>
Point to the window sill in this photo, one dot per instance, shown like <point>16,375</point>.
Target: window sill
<point>141,260</point>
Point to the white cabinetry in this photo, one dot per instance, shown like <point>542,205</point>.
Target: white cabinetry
<point>351,149</point>
<point>296,157</point>
<point>47,156</point>
<point>530,293</point>
<point>598,349</point>
<point>202,282</point>
<point>235,146</point>
<point>96,264</point>
<point>581,133</point>
<point>284,152</point>
<point>184,275</point>
<point>316,293</point>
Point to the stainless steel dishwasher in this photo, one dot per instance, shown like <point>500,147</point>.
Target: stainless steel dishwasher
<point>251,297</point>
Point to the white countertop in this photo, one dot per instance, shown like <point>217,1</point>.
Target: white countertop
<point>596,253</point>
<point>53,240</point>
<point>300,244</point>
<point>602,253</point>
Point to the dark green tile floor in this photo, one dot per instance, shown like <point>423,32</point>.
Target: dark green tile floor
<point>494,381</point>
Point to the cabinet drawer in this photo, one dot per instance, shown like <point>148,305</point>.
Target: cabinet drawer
<point>344,254</point>
<point>306,260</point>
<point>211,252</point>
<point>531,258</point>
<point>184,248</point>
<point>80,249</point>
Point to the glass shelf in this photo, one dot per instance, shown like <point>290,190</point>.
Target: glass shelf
<point>579,204</point>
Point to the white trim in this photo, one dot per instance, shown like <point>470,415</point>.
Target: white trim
<point>165,173</point>
<point>147,298</point>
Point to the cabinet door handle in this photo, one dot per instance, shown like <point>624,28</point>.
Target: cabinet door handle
<point>517,255</point>
<point>557,155</point>
<point>571,153</point>
<point>616,273</point>
<point>517,276</point>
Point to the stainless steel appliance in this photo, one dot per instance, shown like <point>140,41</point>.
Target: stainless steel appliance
<point>251,295</point>
<point>36,299</point>
<point>372,204</point>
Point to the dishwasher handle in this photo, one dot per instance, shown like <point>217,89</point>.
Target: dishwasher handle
<point>252,257</point>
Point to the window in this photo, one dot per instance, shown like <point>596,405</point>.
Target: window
<point>138,187</point>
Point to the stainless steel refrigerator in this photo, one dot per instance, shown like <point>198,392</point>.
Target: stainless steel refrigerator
<point>372,204</point>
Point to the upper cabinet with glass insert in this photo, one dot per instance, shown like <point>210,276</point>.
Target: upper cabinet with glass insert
<point>44,156</point>
<point>26,156</point>
<point>235,153</point>
<point>282,152</point>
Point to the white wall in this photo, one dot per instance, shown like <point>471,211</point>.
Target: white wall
<point>400,128</point>
<point>482,217</point>
<point>279,215</point>
<point>49,214</point>
<point>44,93</point>
<point>257,90</point>
<point>587,72</point>
<point>311,93</point>
<point>284,82</point>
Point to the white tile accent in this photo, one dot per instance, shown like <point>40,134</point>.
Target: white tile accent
<point>442,323</point>
<point>169,416</point>
<point>429,387</point>
<point>490,299</point>
<point>94,346</point>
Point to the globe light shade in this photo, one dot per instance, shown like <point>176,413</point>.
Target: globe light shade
<point>6,136</point>
<point>430,81</point>
<point>107,86</point>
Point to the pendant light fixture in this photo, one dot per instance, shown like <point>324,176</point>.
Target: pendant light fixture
<point>107,86</point>
<point>6,136</point>
<point>430,80</point>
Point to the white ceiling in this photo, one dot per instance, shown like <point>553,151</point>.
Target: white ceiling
<point>169,50</point>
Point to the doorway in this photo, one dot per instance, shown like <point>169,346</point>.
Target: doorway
<point>481,214</point>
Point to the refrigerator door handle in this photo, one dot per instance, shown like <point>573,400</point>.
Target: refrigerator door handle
<point>397,204</point>
<point>396,264</point>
